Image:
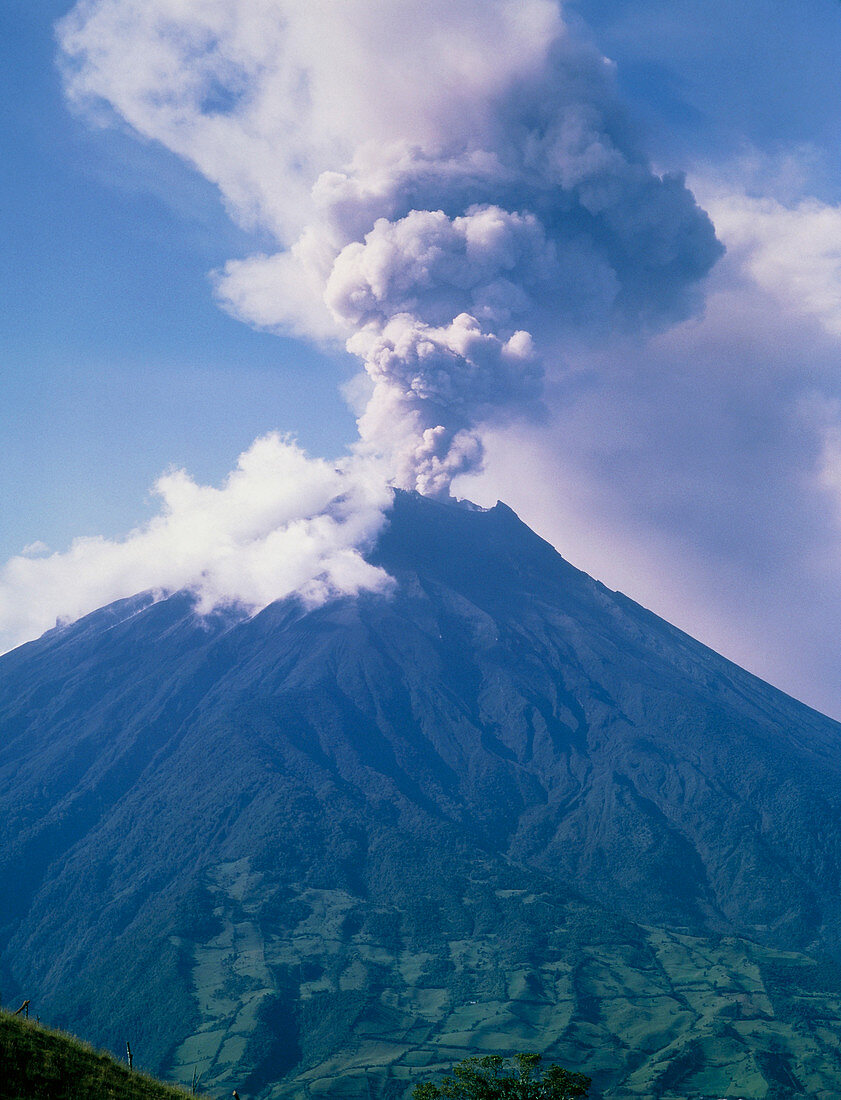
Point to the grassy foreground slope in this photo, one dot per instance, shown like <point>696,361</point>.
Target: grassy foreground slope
<point>37,1063</point>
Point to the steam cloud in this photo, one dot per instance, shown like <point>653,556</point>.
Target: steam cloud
<point>282,523</point>
<point>453,190</point>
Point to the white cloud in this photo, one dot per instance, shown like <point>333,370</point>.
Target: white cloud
<point>35,549</point>
<point>792,251</point>
<point>282,523</point>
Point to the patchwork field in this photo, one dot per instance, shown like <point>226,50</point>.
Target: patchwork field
<point>340,1010</point>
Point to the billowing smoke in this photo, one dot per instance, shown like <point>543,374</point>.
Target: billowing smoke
<point>453,191</point>
<point>451,185</point>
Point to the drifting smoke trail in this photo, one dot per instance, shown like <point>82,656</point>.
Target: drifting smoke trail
<point>450,184</point>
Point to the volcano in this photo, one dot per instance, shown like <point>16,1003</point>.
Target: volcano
<point>331,851</point>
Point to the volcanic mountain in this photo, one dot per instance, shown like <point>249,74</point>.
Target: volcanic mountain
<point>323,851</point>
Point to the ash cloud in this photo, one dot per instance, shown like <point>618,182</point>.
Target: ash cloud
<point>446,205</point>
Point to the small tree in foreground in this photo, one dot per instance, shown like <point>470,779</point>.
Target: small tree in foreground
<point>495,1078</point>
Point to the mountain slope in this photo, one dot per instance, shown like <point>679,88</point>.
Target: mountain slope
<point>502,807</point>
<point>41,1064</point>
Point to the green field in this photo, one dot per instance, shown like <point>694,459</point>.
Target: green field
<point>343,1005</point>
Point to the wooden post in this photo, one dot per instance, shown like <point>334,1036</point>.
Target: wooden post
<point>128,1054</point>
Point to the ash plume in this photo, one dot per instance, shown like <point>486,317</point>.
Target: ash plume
<point>452,187</point>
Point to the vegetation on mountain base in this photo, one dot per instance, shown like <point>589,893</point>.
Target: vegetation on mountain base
<point>495,1078</point>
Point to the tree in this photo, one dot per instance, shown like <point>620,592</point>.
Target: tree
<point>495,1078</point>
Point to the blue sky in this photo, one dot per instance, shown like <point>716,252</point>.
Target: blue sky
<point>117,363</point>
<point>692,459</point>
<point>713,77</point>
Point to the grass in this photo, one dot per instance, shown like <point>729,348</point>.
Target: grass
<point>37,1063</point>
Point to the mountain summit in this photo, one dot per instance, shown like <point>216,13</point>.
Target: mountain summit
<point>498,808</point>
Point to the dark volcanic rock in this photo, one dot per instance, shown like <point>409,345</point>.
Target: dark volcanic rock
<point>316,833</point>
